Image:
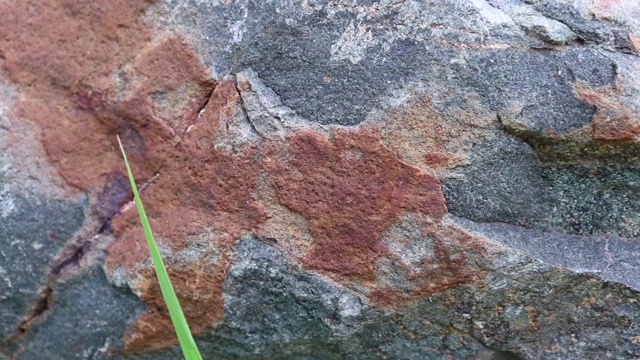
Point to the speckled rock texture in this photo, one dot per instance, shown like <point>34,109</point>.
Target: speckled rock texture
<point>351,179</point>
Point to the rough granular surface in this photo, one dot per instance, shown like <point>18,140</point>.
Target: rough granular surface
<point>326,179</point>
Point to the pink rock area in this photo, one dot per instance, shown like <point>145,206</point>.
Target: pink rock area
<point>87,71</point>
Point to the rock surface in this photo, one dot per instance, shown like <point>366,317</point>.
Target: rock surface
<point>327,179</point>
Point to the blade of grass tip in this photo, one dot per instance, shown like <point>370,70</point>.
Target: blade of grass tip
<point>188,345</point>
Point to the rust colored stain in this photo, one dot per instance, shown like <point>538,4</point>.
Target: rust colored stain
<point>612,124</point>
<point>200,293</point>
<point>90,70</point>
<point>350,188</point>
<point>201,187</point>
<point>65,55</point>
<point>443,160</point>
<point>199,181</point>
<point>613,120</point>
<point>70,60</point>
<point>420,135</point>
<point>175,84</point>
<point>66,43</point>
<point>456,259</point>
<point>617,10</point>
<point>57,48</point>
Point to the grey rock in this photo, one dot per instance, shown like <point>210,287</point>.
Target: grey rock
<point>32,233</point>
<point>342,57</point>
<point>264,108</point>
<point>559,210</point>
<point>534,23</point>
<point>86,320</point>
<point>529,309</point>
<point>292,48</point>
<point>593,199</point>
<point>502,183</point>
<point>571,14</point>
<point>547,30</point>
<point>274,309</point>
<point>523,309</point>
<point>534,88</point>
<point>610,258</point>
<point>565,186</point>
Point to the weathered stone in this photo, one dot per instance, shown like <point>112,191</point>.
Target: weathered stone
<point>522,309</point>
<point>326,179</point>
<point>546,29</point>
<point>32,233</point>
<point>86,320</point>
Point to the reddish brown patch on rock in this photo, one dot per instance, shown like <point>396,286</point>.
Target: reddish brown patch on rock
<point>199,187</point>
<point>200,294</point>
<point>613,120</point>
<point>350,188</point>
<point>611,124</point>
<point>443,160</point>
<point>65,43</point>
<point>62,53</point>
<point>619,11</point>
<point>175,87</point>
<point>421,135</point>
<point>70,59</point>
<point>88,71</point>
<point>453,257</point>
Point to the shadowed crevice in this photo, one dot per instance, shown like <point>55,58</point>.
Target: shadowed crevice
<point>40,308</point>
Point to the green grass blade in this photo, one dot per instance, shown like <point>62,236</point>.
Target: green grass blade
<point>188,345</point>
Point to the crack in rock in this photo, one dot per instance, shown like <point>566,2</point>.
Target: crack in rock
<point>197,114</point>
<point>264,108</point>
<point>40,307</point>
<point>69,260</point>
